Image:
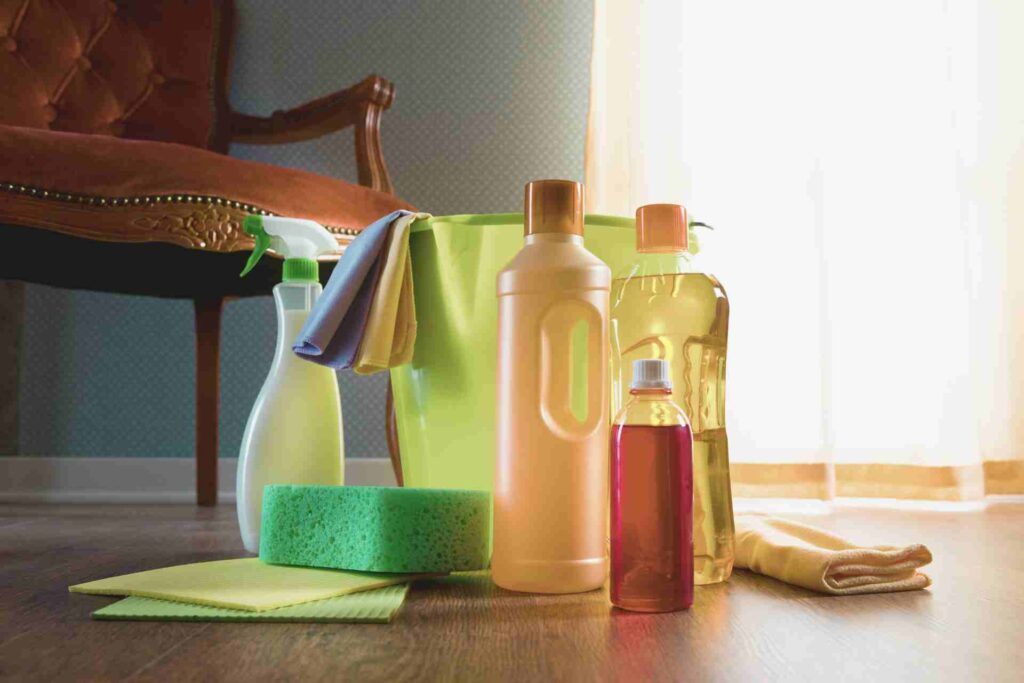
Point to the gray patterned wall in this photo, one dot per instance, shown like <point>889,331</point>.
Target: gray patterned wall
<point>490,94</point>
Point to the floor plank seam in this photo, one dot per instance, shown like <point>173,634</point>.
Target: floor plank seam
<point>156,660</point>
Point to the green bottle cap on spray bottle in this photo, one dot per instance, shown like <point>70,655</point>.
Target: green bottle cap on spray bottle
<point>300,241</point>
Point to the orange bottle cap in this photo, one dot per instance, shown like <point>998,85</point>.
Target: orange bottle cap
<point>553,206</point>
<point>661,228</point>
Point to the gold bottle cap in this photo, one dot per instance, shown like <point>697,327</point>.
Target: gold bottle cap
<point>661,228</point>
<point>553,206</point>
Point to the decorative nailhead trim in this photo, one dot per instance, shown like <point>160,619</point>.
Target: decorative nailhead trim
<point>148,200</point>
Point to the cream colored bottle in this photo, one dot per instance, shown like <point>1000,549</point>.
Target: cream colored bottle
<point>551,473</point>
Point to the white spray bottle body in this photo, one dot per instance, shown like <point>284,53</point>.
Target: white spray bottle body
<point>294,432</point>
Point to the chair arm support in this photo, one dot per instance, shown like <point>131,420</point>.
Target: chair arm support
<point>359,106</point>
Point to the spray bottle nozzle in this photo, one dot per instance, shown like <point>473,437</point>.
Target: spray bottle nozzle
<point>299,241</point>
<point>253,225</point>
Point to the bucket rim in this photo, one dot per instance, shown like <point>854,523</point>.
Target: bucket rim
<point>603,220</point>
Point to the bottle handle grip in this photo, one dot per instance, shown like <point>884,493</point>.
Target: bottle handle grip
<point>558,366</point>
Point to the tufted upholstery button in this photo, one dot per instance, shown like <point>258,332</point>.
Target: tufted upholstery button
<point>60,50</point>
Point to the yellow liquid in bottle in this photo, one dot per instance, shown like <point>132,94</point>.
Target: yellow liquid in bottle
<point>683,317</point>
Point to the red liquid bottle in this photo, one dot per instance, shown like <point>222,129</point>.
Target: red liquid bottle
<point>651,497</point>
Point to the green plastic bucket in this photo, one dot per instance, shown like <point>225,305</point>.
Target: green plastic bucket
<point>445,398</point>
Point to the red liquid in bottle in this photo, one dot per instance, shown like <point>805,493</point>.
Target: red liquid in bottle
<point>651,517</point>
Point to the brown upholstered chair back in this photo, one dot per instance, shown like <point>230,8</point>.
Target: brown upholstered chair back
<point>144,69</point>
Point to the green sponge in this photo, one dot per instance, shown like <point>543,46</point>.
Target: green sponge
<point>375,528</point>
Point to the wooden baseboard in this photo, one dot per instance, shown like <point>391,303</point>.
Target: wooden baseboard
<point>31,479</point>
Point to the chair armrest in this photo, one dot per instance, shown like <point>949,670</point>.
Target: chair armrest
<point>359,106</point>
<point>313,119</point>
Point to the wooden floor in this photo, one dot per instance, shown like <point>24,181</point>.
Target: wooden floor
<point>968,626</point>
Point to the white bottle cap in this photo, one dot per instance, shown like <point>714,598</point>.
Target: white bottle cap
<point>651,373</point>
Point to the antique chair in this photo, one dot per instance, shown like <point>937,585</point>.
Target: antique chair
<point>114,121</point>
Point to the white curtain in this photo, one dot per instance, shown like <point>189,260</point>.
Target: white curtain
<point>862,164</point>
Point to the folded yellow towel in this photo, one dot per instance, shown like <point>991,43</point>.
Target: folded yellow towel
<point>390,333</point>
<point>823,562</point>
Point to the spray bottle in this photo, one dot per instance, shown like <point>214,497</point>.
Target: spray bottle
<point>294,433</point>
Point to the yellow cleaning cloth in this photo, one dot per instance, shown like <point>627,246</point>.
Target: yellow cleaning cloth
<point>245,584</point>
<point>823,562</point>
<point>390,333</point>
<point>365,607</point>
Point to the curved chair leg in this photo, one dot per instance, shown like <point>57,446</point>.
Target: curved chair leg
<point>207,317</point>
<point>391,428</point>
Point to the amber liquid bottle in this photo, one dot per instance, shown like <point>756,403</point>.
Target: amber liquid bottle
<point>662,308</point>
<point>651,497</point>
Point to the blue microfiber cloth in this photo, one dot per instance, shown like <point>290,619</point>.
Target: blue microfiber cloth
<point>334,329</point>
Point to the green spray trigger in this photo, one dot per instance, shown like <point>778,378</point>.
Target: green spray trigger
<point>253,225</point>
